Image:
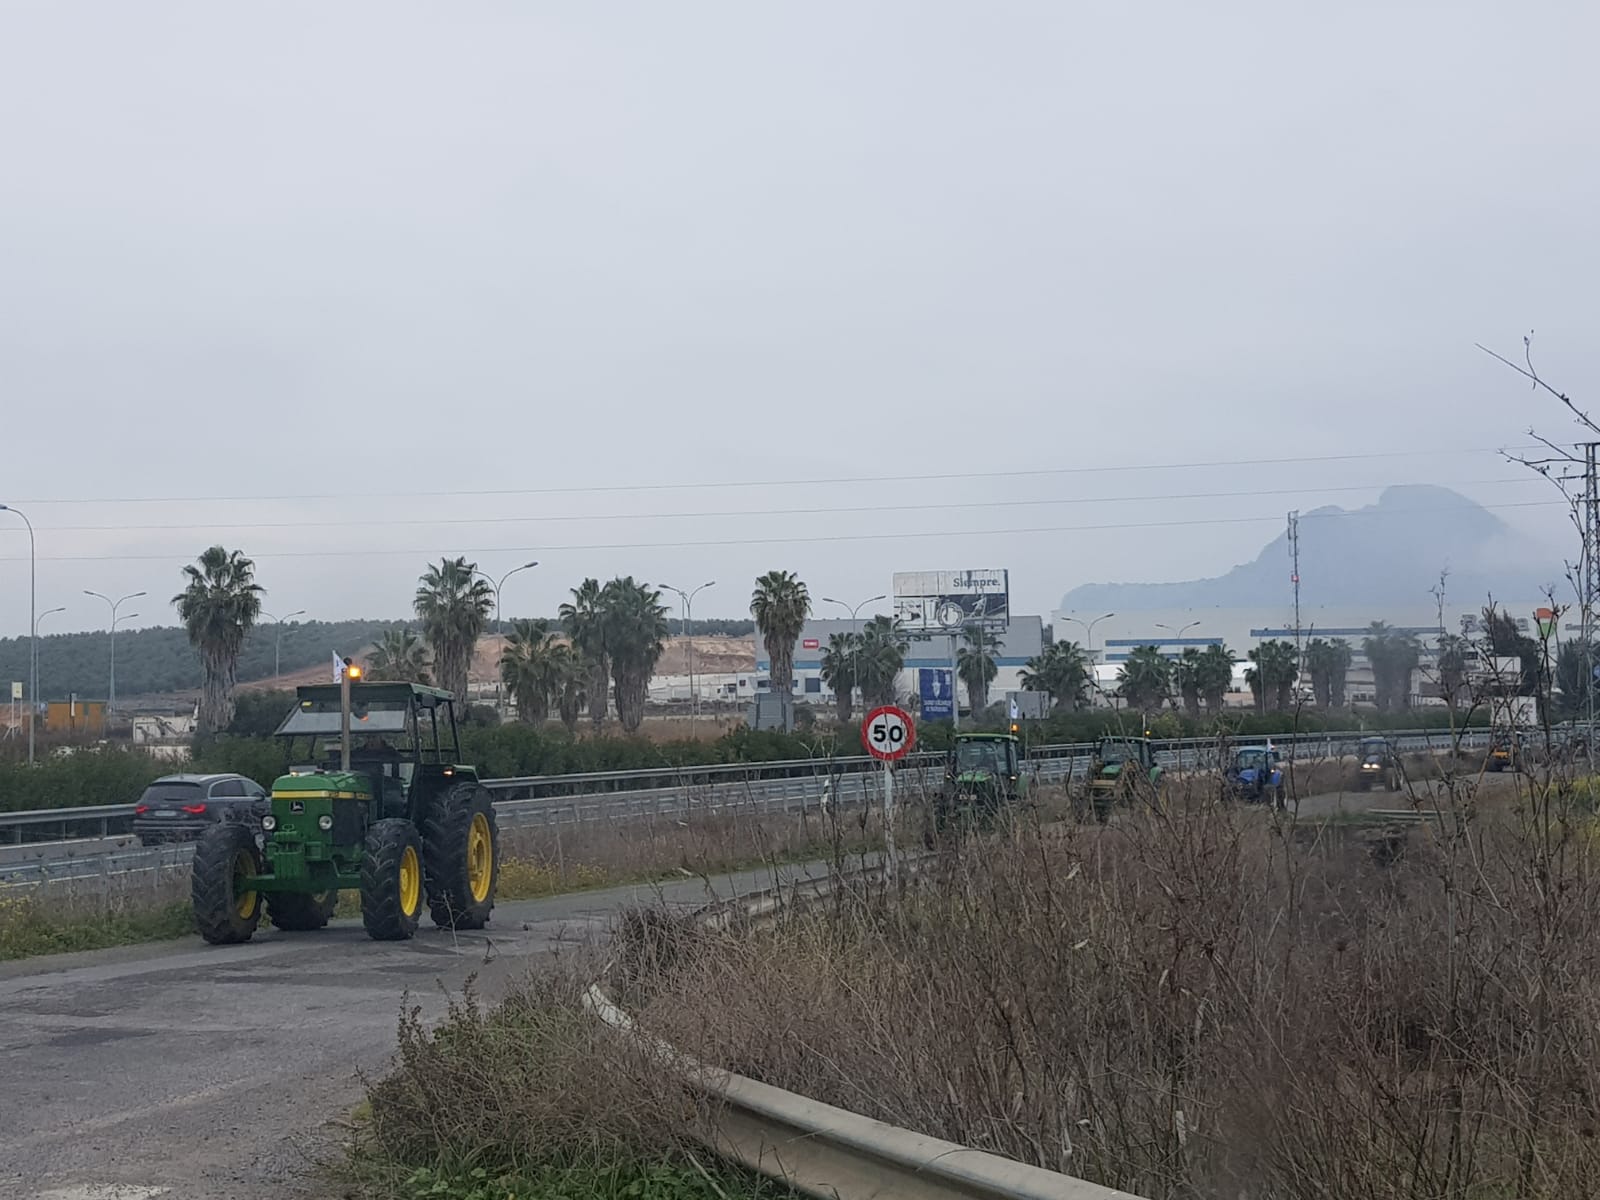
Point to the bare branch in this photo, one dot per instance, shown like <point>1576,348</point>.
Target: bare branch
<point>1529,373</point>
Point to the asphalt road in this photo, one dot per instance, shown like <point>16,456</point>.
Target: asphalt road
<point>186,1070</point>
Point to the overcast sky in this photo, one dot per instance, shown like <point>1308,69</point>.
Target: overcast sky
<point>349,287</point>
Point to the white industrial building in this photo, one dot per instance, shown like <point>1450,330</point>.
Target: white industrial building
<point>1023,639</point>
<point>1112,637</point>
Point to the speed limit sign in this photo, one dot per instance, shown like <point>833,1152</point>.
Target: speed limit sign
<point>887,733</point>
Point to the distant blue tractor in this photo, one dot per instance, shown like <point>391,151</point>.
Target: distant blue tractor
<point>1256,775</point>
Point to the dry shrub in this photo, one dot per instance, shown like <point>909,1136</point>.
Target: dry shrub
<point>532,1081</point>
<point>1196,1002</point>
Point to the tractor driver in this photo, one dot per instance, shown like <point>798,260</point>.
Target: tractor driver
<point>376,749</point>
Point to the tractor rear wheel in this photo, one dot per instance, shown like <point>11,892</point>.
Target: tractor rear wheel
<point>462,857</point>
<point>227,908</point>
<point>391,881</point>
<point>301,911</point>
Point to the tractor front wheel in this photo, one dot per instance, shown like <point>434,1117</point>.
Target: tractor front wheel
<point>301,912</point>
<point>462,857</point>
<point>227,908</point>
<point>391,881</point>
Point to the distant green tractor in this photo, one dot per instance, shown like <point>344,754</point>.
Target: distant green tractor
<point>982,776</point>
<point>1122,768</point>
<point>394,816</point>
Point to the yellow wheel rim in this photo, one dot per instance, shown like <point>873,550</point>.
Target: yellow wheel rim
<point>410,881</point>
<point>244,896</point>
<point>480,858</point>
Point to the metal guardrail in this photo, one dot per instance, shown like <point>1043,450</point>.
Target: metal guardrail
<point>824,1151</point>
<point>1170,752</point>
<point>792,785</point>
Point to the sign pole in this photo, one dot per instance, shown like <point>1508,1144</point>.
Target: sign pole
<point>891,859</point>
<point>955,688</point>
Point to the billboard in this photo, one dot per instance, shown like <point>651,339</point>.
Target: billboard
<point>949,601</point>
<point>935,693</point>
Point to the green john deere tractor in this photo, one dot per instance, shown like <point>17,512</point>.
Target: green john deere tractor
<point>982,776</point>
<point>1122,768</point>
<point>384,808</point>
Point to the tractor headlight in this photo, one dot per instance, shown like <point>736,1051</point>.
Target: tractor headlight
<point>269,822</point>
<point>324,822</point>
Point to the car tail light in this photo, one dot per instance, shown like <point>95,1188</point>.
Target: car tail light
<point>139,810</point>
<point>194,810</point>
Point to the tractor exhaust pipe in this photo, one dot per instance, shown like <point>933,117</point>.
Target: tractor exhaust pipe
<point>350,671</point>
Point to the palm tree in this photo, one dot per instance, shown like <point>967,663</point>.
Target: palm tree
<point>219,605</point>
<point>1452,664</point>
<point>528,668</point>
<point>399,657</point>
<point>780,605</point>
<point>1272,678</point>
<point>1216,676</point>
<point>1188,673</point>
<point>976,667</point>
<point>1145,678</point>
<point>1393,656</point>
<point>882,656</point>
<point>1339,660</point>
<point>454,605</point>
<point>1328,663</point>
<point>839,662</point>
<point>1063,671</point>
<point>570,684</point>
<point>584,619</point>
<point>635,629</point>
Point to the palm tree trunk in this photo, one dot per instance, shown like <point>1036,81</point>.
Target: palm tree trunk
<point>844,702</point>
<point>631,690</point>
<point>599,685</point>
<point>216,696</point>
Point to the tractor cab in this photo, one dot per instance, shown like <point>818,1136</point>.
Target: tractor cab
<point>986,757</point>
<point>400,733</point>
<point>982,774</point>
<point>1123,767</point>
<point>1256,773</point>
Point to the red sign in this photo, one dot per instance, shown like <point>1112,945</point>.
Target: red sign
<point>887,733</point>
<point>811,644</point>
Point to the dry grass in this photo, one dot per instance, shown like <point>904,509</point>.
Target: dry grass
<point>1197,1003</point>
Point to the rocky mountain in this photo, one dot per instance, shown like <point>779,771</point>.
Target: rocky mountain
<point>1389,552</point>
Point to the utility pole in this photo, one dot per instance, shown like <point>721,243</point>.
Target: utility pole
<point>1294,577</point>
<point>1591,578</point>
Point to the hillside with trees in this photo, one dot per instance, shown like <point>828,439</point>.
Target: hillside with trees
<point>162,660</point>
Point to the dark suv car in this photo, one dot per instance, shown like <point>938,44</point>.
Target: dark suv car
<point>179,808</point>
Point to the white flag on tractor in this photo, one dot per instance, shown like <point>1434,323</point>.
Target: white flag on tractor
<point>338,668</point>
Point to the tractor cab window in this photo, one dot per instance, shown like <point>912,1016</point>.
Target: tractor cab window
<point>1252,759</point>
<point>1118,752</point>
<point>981,756</point>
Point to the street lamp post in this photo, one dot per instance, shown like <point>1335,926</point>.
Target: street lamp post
<point>688,611</point>
<point>1089,629</point>
<point>1177,634</point>
<point>855,645</point>
<point>496,585</point>
<point>111,686</point>
<point>33,628</point>
<point>277,641</point>
<point>1088,626</point>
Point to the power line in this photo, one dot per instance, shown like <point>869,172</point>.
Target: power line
<point>1232,463</point>
<point>759,512</point>
<point>367,552</point>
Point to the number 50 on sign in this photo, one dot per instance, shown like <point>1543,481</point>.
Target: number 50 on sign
<point>887,733</point>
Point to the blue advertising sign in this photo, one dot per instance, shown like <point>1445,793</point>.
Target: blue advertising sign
<point>938,699</point>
